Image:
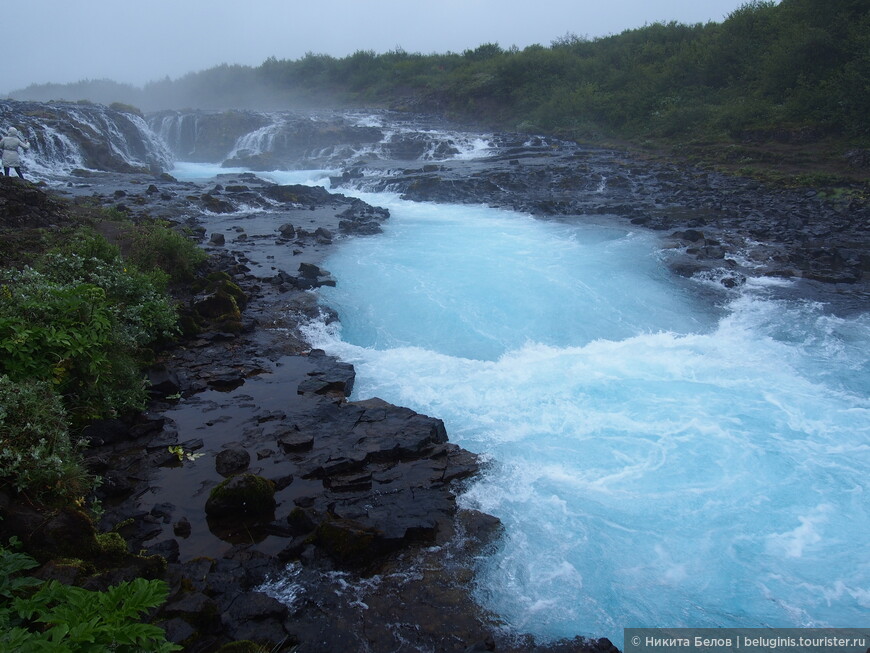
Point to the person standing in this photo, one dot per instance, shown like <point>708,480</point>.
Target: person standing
<point>10,144</point>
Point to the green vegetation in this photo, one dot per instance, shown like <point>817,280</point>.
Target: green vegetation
<point>156,248</point>
<point>53,617</point>
<point>77,325</point>
<point>78,321</point>
<point>81,319</point>
<point>37,454</point>
<point>795,66</point>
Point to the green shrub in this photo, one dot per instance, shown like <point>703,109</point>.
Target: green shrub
<point>157,246</point>
<point>87,243</point>
<point>36,452</point>
<point>51,616</point>
<point>83,323</point>
<point>114,214</point>
<point>136,300</point>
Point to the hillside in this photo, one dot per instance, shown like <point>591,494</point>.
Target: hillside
<point>780,91</point>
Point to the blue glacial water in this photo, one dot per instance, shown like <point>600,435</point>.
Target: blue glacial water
<point>657,459</point>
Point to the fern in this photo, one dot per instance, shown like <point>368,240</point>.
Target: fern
<point>50,616</point>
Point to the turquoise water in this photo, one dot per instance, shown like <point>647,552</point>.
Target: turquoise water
<point>657,460</point>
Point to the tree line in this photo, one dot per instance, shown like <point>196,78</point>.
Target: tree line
<point>802,66</point>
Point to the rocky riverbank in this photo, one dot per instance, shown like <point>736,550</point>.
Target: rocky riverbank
<point>356,542</point>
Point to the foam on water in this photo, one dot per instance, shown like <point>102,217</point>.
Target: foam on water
<point>656,461</point>
<point>191,171</point>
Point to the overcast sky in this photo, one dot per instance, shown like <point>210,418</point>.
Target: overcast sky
<point>137,41</point>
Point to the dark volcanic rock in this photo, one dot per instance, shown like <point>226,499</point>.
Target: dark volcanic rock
<point>312,276</point>
<point>106,431</point>
<point>298,194</point>
<point>163,382</point>
<point>232,461</point>
<point>24,205</point>
<point>239,496</point>
<point>216,204</point>
<point>361,219</point>
<point>328,377</point>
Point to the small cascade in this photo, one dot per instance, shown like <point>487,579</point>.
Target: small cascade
<point>155,147</point>
<point>259,141</point>
<point>53,152</point>
<point>178,131</point>
<point>66,136</point>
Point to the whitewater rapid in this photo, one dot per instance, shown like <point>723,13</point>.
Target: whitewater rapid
<point>657,459</point>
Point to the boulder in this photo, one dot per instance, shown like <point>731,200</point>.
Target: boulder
<point>216,205</point>
<point>287,231</point>
<point>311,271</point>
<point>163,382</point>
<point>105,431</point>
<point>216,305</point>
<point>313,276</point>
<point>232,461</point>
<point>244,495</point>
<point>347,542</point>
<point>299,194</point>
<point>329,377</point>
<point>359,228</point>
<point>323,236</point>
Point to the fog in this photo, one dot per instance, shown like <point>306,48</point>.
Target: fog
<point>62,41</point>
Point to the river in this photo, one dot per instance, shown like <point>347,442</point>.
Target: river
<point>660,454</point>
<point>656,459</point>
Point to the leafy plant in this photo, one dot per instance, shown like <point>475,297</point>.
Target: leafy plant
<point>183,455</point>
<point>83,321</point>
<point>157,246</point>
<point>36,452</point>
<point>51,616</point>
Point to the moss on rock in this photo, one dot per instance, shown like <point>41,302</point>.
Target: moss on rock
<point>242,495</point>
<point>111,546</point>
<point>347,542</point>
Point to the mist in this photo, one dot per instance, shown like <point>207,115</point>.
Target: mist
<point>134,44</point>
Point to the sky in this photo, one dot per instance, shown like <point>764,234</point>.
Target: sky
<point>135,41</point>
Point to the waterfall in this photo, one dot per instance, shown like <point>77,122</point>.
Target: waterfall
<point>53,152</point>
<point>259,141</point>
<point>286,140</point>
<point>179,131</point>
<point>65,136</point>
